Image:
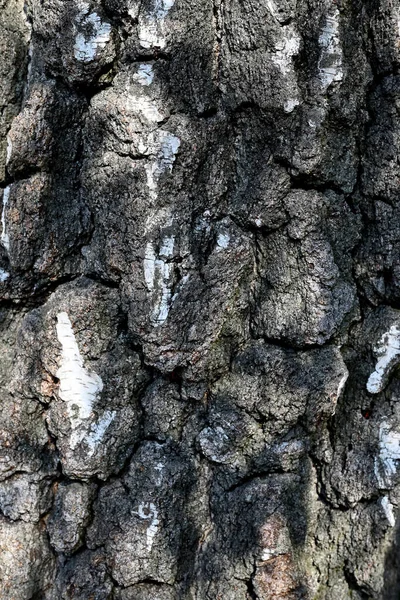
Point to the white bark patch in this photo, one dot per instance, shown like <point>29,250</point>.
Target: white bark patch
<point>159,144</point>
<point>9,150</point>
<point>95,38</point>
<point>152,26</point>
<point>93,435</point>
<point>387,351</point>
<point>167,246</point>
<point>151,170</point>
<point>149,266</point>
<point>148,512</point>
<point>158,220</point>
<point>182,283</point>
<point>267,554</point>
<point>278,12</point>
<point>30,57</point>
<point>145,74</point>
<point>157,275</point>
<point>146,108</point>
<point>272,8</point>
<point>159,467</point>
<point>168,145</point>
<point>164,146</point>
<point>4,275</point>
<point>169,148</point>
<point>341,385</point>
<point>79,387</point>
<point>285,49</point>
<point>161,285</point>
<point>290,105</point>
<point>388,510</point>
<point>389,453</point>
<point>161,310</point>
<point>331,58</point>
<point>98,430</point>
<point>5,239</point>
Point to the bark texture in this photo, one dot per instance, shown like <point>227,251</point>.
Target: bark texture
<point>199,299</point>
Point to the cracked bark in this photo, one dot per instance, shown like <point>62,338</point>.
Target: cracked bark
<point>199,300</point>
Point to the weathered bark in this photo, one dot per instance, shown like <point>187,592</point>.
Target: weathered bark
<point>199,299</point>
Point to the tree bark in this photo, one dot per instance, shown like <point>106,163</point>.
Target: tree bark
<point>199,299</point>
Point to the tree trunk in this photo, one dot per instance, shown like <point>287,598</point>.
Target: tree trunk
<point>200,294</point>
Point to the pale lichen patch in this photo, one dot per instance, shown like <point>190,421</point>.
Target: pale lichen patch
<point>290,447</point>
<point>4,275</point>
<point>214,443</point>
<point>223,240</point>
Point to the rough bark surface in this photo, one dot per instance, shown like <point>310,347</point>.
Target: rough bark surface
<point>199,299</point>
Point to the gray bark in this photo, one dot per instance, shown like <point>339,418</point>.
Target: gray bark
<point>199,299</point>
